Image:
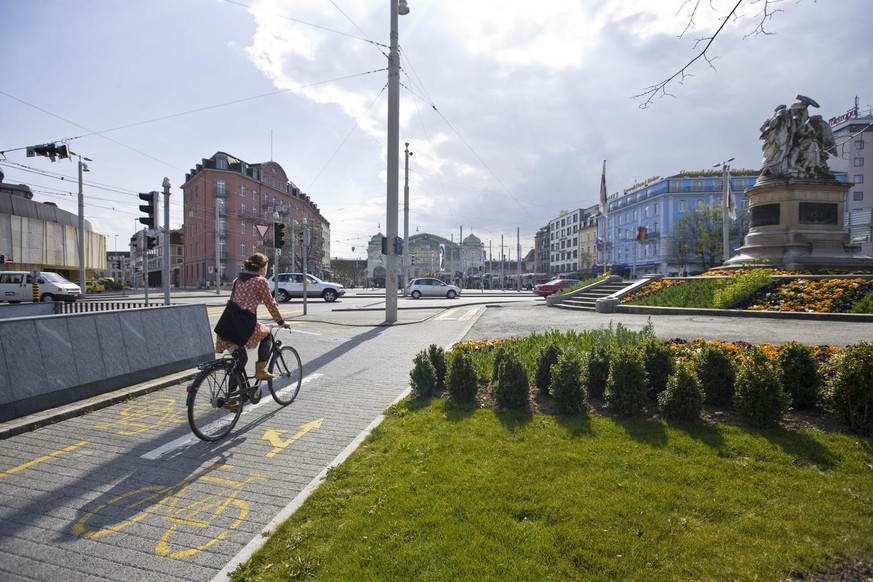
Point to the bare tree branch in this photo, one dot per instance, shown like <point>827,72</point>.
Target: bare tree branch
<point>659,90</point>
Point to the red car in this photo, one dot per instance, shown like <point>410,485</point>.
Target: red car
<point>553,286</point>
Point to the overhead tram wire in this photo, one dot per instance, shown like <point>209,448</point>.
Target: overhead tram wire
<point>303,22</point>
<point>464,141</point>
<point>345,139</point>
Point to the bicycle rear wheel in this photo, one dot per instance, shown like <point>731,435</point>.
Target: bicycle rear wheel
<point>215,402</point>
<point>286,366</point>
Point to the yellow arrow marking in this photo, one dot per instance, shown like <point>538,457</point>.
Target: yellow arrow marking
<point>274,437</point>
<point>43,458</point>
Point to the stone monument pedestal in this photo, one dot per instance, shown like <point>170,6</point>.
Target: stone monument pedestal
<point>797,224</point>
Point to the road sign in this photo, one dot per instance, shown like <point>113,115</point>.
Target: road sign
<point>263,229</point>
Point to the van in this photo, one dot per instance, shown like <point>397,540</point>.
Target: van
<point>17,286</point>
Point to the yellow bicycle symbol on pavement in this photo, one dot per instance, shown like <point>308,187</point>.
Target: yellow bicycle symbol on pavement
<point>143,416</point>
<point>200,507</point>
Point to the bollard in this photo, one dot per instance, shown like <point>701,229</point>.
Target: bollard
<point>36,292</point>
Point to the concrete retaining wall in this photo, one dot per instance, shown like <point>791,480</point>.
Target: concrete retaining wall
<point>51,360</point>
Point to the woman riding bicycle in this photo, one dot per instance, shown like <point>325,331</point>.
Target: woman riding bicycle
<point>251,289</point>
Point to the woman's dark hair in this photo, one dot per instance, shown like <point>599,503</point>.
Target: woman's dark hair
<point>255,262</point>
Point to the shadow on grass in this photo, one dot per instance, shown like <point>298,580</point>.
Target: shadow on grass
<point>707,434</point>
<point>805,449</point>
<point>576,424</point>
<point>514,419</point>
<point>650,432</point>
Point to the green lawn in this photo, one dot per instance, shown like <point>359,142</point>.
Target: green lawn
<point>440,492</point>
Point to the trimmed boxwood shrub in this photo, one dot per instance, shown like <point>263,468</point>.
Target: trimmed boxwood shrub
<point>598,372</point>
<point>499,354</point>
<point>437,356</point>
<point>461,381</point>
<point>759,396</point>
<point>850,390</point>
<point>682,399</point>
<point>567,386</point>
<point>797,371</point>
<point>627,385</point>
<point>659,362</point>
<point>717,374</point>
<point>422,377</point>
<point>513,386</point>
<point>547,358</point>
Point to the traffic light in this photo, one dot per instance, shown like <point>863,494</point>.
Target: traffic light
<point>398,246</point>
<point>49,150</point>
<point>151,209</point>
<point>278,235</point>
<point>151,240</point>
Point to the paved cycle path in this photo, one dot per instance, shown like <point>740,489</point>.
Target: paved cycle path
<point>124,493</point>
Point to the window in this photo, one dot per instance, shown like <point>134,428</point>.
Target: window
<point>700,203</point>
<point>859,162</point>
<point>858,178</point>
<point>635,215</point>
<point>242,209</point>
<point>242,249</point>
<point>220,187</point>
<point>242,227</point>
<point>242,191</point>
<point>221,164</point>
<point>859,144</point>
<point>683,206</point>
<point>858,196</point>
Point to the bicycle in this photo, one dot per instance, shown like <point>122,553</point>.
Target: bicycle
<point>221,389</point>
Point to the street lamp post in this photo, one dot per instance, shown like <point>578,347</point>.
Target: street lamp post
<point>83,167</point>
<point>726,207</point>
<point>166,245</point>
<point>397,7</point>
<point>405,258</point>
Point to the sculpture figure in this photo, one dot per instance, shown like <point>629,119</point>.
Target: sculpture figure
<point>795,144</point>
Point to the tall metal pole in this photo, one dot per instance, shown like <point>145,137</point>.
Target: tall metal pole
<point>393,158</point>
<point>725,207</point>
<point>166,251</point>
<point>145,262</point>
<point>82,168</point>
<point>405,258</point>
<point>217,252</point>
<point>726,219</point>
<point>305,255</point>
<point>518,253</point>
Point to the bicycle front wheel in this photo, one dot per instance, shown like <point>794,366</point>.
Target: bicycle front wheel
<point>285,365</point>
<point>215,402</point>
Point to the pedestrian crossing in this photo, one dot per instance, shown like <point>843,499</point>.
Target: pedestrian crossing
<point>458,314</point>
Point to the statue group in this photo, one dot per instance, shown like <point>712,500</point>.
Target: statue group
<point>796,144</point>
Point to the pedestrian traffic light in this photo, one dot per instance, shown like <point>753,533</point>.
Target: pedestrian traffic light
<point>151,241</point>
<point>151,209</point>
<point>278,235</point>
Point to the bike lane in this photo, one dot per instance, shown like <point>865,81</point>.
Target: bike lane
<point>127,493</point>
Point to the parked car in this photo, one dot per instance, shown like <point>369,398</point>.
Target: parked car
<point>94,287</point>
<point>428,287</point>
<point>553,286</point>
<point>291,285</point>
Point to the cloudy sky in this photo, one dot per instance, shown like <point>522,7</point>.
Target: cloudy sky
<point>509,106</point>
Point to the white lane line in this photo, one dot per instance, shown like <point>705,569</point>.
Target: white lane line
<point>192,438</point>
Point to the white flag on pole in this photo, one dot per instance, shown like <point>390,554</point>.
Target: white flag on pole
<point>731,205</point>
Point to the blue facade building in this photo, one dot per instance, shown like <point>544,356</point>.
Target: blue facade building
<point>638,236</point>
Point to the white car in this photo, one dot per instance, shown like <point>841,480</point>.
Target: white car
<point>291,285</point>
<point>428,287</point>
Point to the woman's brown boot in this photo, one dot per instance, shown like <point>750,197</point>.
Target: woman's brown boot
<point>261,372</point>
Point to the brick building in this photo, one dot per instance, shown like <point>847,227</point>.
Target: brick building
<point>229,203</point>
